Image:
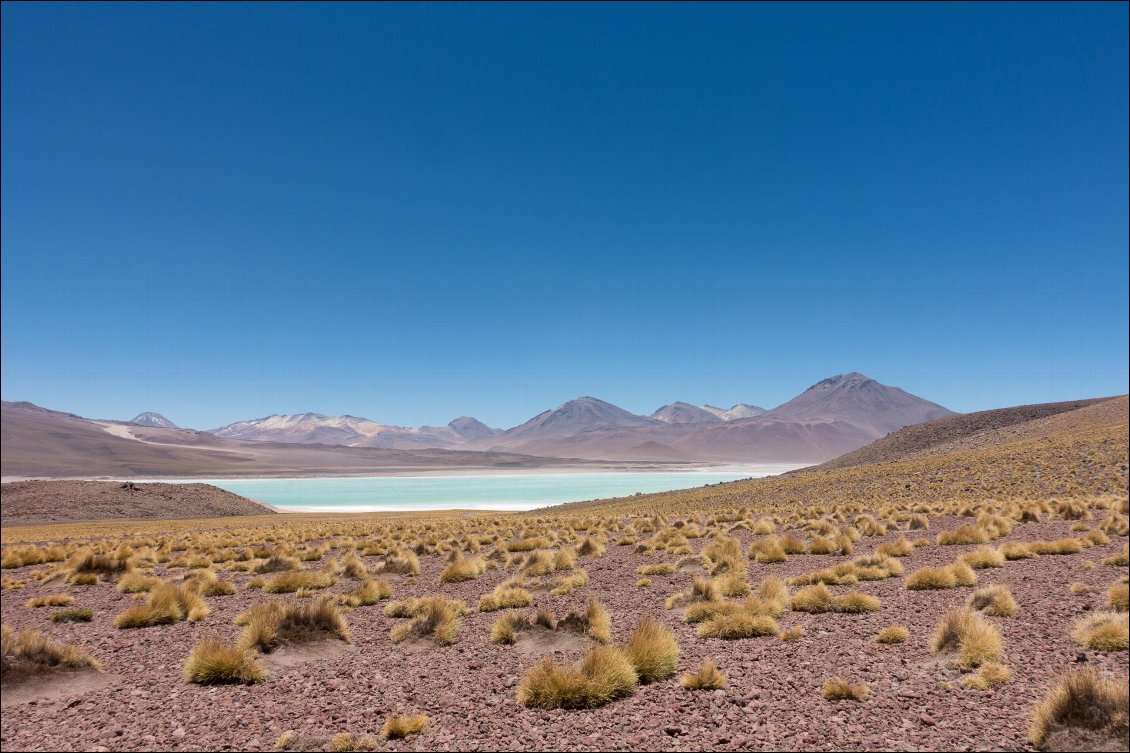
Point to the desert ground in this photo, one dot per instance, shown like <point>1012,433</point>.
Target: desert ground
<point>963,590</point>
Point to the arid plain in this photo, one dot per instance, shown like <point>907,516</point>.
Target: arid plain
<point>957,585</point>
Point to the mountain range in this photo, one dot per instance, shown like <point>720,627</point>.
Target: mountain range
<point>831,417</point>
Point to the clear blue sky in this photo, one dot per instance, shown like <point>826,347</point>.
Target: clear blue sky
<point>415,212</point>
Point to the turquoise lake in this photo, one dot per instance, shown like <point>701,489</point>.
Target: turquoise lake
<point>469,492</point>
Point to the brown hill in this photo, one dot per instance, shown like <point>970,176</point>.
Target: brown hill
<point>27,502</point>
<point>971,429</point>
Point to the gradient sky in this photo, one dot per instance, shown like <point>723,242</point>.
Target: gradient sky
<point>411,213</point>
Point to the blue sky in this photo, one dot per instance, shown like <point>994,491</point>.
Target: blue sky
<point>411,213</point>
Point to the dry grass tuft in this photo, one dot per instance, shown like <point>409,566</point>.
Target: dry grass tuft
<point>1082,699</point>
<point>74,614</point>
<point>738,625</point>
<point>298,580</point>
<point>983,557</point>
<point>707,677</point>
<point>271,624</point>
<point>463,569</point>
<point>1117,597</point>
<point>604,675</point>
<point>892,634</point>
<point>167,603</point>
<point>505,596</point>
<point>214,662</point>
<point>931,578</point>
<point>652,650</point>
<point>792,634</point>
<point>1103,631</point>
<point>995,601</point>
<point>397,727</point>
<point>988,676</point>
<point>435,617</point>
<point>31,652</point>
<point>839,689</point>
<point>968,636</point>
<point>53,600</point>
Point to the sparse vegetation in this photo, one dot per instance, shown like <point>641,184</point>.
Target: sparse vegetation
<point>707,677</point>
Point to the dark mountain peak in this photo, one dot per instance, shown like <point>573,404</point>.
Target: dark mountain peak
<point>471,428</point>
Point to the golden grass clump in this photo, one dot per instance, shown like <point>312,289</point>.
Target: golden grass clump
<point>507,627</point>
<point>1082,699</point>
<point>1103,631</point>
<point>1018,550</point>
<point>298,580</point>
<point>463,569</point>
<point>213,662</point>
<point>738,625</point>
<point>969,637</point>
<point>892,634</point>
<point>271,624</point>
<point>707,677</point>
<point>400,562</point>
<point>839,689</point>
<point>52,600</point>
<point>988,676</point>
<point>1059,546</point>
<point>590,547</point>
<point>950,576</point>
<point>661,568</point>
<point>73,614</point>
<point>1080,588</point>
<point>818,599</point>
<point>136,582</point>
<point>435,617</point>
<point>733,585</point>
<point>604,675</point>
<point>1117,597</point>
<point>702,589</point>
<point>276,563</point>
<point>505,596</point>
<point>398,727</point>
<point>900,548</point>
<point>995,601</point>
<point>568,583</point>
<point>983,557</point>
<point>652,650</point>
<point>965,534</point>
<point>166,604</point>
<point>367,594</point>
<point>31,652</point>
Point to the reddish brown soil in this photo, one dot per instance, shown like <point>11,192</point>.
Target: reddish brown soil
<point>773,700</point>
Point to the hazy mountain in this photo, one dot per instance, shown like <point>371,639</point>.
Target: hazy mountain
<point>316,428</point>
<point>43,443</point>
<point>861,401</point>
<point>155,420</point>
<point>830,418</point>
<point>471,428</point>
<point>576,417</point>
<point>741,410</point>
<point>685,413</point>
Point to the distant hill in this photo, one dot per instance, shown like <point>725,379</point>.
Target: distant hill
<point>41,443</point>
<point>155,420</point>
<point>316,428</point>
<point>941,435</point>
<point>741,410</point>
<point>832,417</point>
<point>685,413</point>
<point>861,401</point>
